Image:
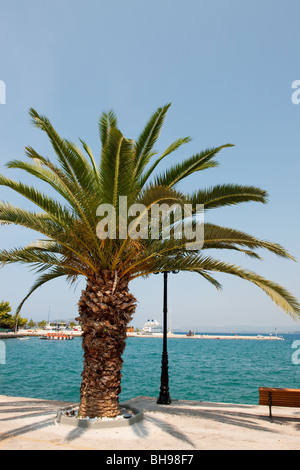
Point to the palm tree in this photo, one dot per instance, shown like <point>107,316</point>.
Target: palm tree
<point>71,247</point>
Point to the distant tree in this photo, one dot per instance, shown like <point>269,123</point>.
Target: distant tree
<point>21,322</point>
<point>5,307</point>
<point>10,321</point>
<point>6,320</point>
<point>31,324</point>
<point>42,323</point>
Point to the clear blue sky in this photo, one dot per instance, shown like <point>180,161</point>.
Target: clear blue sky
<point>227,67</point>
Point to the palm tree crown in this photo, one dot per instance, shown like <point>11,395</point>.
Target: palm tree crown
<point>70,246</point>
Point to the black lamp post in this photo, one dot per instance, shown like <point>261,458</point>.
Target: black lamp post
<point>164,396</point>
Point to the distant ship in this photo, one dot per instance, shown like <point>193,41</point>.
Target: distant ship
<point>152,326</point>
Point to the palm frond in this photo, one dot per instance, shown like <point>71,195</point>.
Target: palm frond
<point>54,209</point>
<point>148,138</point>
<point>227,194</point>
<point>198,162</point>
<point>74,165</point>
<point>58,144</point>
<point>53,274</point>
<point>116,168</point>
<point>89,152</point>
<point>82,201</point>
<point>41,259</point>
<point>154,194</point>
<point>215,234</point>
<point>106,121</point>
<point>85,174</point>
<point>174,146</point>
<point>43,173</point>
<point>194,263</point>
<point>210,279</point>
<point>228,246</point>
<point>40,222</point>
<point>37,221</point>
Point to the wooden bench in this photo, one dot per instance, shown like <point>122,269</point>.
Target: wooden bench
<point>279,397</point>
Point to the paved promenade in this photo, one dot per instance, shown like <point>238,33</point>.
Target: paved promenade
<point>30,424</point>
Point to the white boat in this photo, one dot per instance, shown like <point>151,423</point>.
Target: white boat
<point>77,328</point>
<point>61,336</point>
<point>152,326</point>
<point>54,326</point>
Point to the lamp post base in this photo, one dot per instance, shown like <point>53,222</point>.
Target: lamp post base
<point>164,396</point>
<point>164,399</point>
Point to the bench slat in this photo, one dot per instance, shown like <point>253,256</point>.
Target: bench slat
<point>279,397</point>
<point>292,404</point>
<point>270,389</point>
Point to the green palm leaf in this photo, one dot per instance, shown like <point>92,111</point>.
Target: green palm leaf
<point>54,210</point>
<point>54,273</point>
<point>116,167</point>
<point>200,264</point>
<point>215,234</point>
<point>148,138</point>
<point>174,146</point>
<point>227,194</point>
<point>198,162</point>
<point>106,121</point>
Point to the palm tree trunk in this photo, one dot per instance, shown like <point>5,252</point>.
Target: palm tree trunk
<point>105,307</point>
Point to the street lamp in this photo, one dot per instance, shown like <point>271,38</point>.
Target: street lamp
<point>164,396</point>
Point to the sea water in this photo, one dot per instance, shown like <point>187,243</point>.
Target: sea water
<point>215,370</point>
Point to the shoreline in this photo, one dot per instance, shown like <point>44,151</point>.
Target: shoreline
<point>204,336</point>
<point>22,334</point>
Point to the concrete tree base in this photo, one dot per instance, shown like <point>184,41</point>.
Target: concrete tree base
<point>128,416</point>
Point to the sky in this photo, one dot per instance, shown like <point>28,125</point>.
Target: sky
<point>226,67</point>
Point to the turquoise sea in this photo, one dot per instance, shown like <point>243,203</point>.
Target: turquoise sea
<point>216,370</point>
